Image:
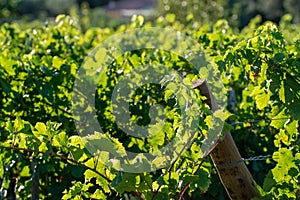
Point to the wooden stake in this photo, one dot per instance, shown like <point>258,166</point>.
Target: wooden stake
<point>233,173</point>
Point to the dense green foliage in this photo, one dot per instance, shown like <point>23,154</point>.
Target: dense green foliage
<point>40,147</point>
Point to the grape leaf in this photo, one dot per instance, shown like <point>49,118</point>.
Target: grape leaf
<point>262,100</point>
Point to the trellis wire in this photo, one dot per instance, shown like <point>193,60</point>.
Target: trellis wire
<point>254,158</point>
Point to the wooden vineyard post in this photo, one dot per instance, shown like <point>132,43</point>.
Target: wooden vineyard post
<point>234,174</point>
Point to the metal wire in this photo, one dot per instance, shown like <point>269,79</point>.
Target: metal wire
<point>254,158</point>
<point>257,158</point>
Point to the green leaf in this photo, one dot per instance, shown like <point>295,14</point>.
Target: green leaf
<point>279,57</point>
<point>60,140</point>
<point>279,118</point>
<point>285,93</point>
<point>43,147</point>
<point>76,141</point>
<point>89,174</point>
<point>220,115</point>
<point>172,86</point>
<point>168,94</point>
<point>190,178</point>
<point>66,196</point>
<point>294,110</point>
<point>284,155</point>
<point>292,128</point>
<point>281,94</point>
<point>293,172</point>
<point>269,182</point>
<point>102,142</point>
<point>57,62</point>
<point>262,100</point>
<point>41,129</point>
<point>125,182</point>
<point>9,126</point>
<point>284,158</point>
<point>204,180</point>
<point>25,172</point>
<point>98,194</point>
<point>18,124</point>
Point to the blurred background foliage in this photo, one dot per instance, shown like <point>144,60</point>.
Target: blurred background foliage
<point>237,12</point>
<point>93,13</point>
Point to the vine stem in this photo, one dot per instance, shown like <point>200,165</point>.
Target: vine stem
<point>58,156</point>
<point>172,165</point>
<point>186,186</point>
<point>136,193</point>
